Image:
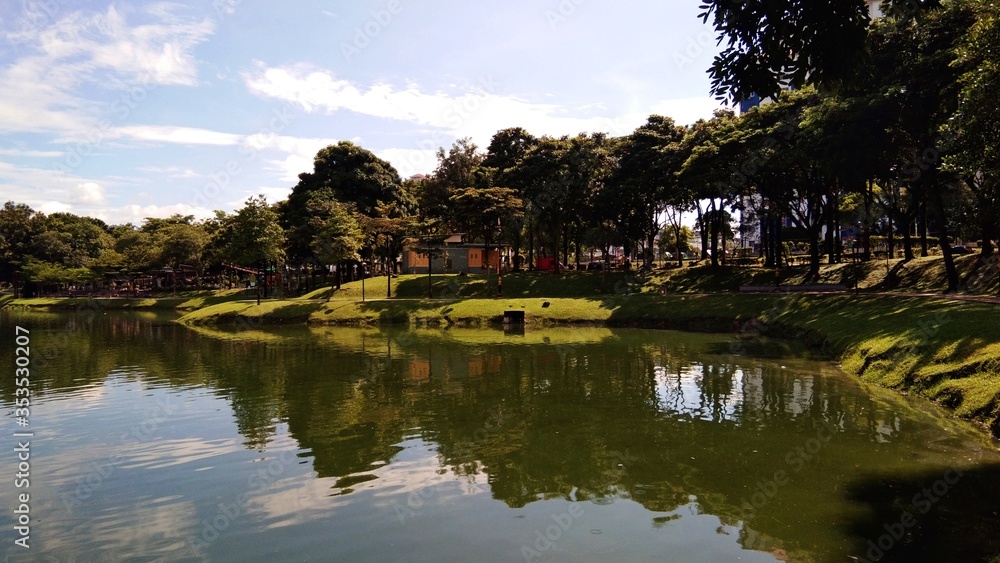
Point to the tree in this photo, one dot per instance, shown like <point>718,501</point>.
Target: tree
<point>456,170</point>
<point>386,234</point>
<point>974,131</point>
<point>919,68</point>
<point>646,179</point>
<point>771,44</point>
<point>481,211</point>
<point>676,240</point>
<point>255,239</point>
<point>718,169</point>
<point>345,173</point>
<point>338,237</point>
<point>138,250</point>
<point>506,152</point>
<point>19,225</point>
<point>183,243</point>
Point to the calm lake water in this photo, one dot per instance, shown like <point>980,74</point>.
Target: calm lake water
<point>156,442</point>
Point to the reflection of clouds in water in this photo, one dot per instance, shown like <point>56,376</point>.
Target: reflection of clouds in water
<point>157,528</point>
<point>168,453</point>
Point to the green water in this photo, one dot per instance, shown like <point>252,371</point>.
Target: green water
<point>156,442</point>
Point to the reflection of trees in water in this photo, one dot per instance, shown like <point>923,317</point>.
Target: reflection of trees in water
<point>641,415</point>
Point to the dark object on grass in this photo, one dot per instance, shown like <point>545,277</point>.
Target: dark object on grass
<point>513,317</point>
<point>545,305</point>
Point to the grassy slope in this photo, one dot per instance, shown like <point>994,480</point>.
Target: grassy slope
<point>184,301</point>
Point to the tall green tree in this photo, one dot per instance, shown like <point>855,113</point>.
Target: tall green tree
<point>184,244</point>
<point>456,170</point>
<point>338,236</point>
<point>505,154</point>
<point>345,173</point>
<point>645,180</point>
<point>772,44</point>
<point>482,210</point>
<point>974,130</point>
<point>254,236</point>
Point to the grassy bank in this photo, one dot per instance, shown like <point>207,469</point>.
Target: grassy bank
<point>946,350</point>
<point>184,301</point>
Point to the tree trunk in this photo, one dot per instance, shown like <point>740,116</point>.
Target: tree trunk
<point>766,247</point>
<point>704,232</point>
<point>677,242</point>
<point>866,240</point>
<point>943,240</point>
<point>989,233</point>
<point>648,259</point>
<point>517,245</point>
<point>531,243</point>
<point>922,226</point>
<point>576,243</point>
<point>907,239</point>
<point>715,221</point>
<point>890,238</point>
<point>555,243</point>
<point>814,253</point>
<point>565,236</point>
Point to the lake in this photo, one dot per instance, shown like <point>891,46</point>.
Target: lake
<point>152,441</point>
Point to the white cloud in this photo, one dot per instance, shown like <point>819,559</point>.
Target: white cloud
<point>300,151</point>
<point>174,134</point>
<point>50,207</point>
<point>47,189</point>
<point>477,113</point>
<point>30,153</point>
<point>170,171</point>
<point>89,192</point>
<point>136,213</point>
<point>410,161</point>
<point>42,89</point>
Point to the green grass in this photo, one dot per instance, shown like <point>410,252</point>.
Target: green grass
<point>186,301</point>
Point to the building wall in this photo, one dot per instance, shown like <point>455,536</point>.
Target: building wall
<point>458,259</point>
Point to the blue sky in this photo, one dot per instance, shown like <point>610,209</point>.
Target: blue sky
<point>127,110</point>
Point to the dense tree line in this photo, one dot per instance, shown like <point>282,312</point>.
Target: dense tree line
<point>889,130</point>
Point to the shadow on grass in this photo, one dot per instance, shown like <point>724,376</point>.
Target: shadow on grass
<point>954,516</point>
<point>396,312</point>
<point>294,312</point>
